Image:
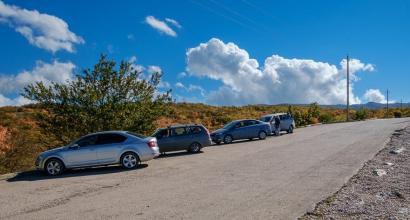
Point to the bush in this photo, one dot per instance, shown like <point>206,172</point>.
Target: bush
<point>397,114</point>
<point>361,114</point>
<point>326,118</point>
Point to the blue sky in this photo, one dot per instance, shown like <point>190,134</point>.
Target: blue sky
<point>252,51</point>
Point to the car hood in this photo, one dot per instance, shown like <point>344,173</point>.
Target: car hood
<point>53,151</point>
<point>219,131</point>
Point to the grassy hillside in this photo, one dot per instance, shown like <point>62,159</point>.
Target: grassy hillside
<point>21,139</point>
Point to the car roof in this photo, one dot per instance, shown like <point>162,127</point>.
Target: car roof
<point>275,114</point>
<point>244,120</point>
<point>181,125</point>
<point>109,132</point>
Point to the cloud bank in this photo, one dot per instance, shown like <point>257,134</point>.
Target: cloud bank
<point>60,72</point>
<point>279,80</point>
<point>41,30</point>
<point>374,95</point>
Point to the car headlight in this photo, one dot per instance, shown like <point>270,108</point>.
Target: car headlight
<point>39,159</point>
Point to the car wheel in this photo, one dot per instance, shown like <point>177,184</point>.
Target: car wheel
<point>129,160</point>
<point>290,130</point>
<point>54,167</point>
<point>228,139</point>
<point>262,135</point>
<point>195,147</point>
<point>218,142</point>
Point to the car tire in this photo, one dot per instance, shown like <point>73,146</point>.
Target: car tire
<point>194,148</point>
<point>262,135</point>
<point>54,167</point>
<point>218,142</point>
<point>290,130</point>
<point>129,160</point>
<point>228,139</point>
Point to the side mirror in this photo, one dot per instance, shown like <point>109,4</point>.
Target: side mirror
<point>74,147</point>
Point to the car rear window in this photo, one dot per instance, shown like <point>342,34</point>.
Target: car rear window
<point>136,135</point>
<point>266,119</point>
<point>195,130</point>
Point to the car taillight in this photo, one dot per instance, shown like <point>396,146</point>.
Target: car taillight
<point>152,144</point>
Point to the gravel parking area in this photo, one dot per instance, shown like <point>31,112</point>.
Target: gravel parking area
<point>380,190</point>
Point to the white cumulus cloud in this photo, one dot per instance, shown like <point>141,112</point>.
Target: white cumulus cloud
<point>179,85</point>
<point>173,22</point>
<point>374,95</point>
<point>41,30</point>
<point>160,26</point>
<point>60,72</point>
<point>279,80</point>
<point>191,88</point>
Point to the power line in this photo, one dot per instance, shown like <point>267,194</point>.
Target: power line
<point>216,12</point>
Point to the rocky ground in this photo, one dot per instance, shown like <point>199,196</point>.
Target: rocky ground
<point>380,190</point>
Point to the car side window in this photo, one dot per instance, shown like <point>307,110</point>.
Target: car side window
<point>178,131</point>
<point>163,133</point>
<point>110,139</point>
<point>87,141</point>
<point>195,130</point>
<point>240,124</point>
<point>249,123</point>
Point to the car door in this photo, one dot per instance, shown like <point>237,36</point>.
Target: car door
<point>164,140</point>
<point>83,155</point>
<point>251,128</point>
<point>284,122</point>
<point>180,138</point>
<point>239,130</point>
<point>108,147</point>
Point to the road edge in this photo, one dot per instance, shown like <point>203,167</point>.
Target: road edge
<point>330,198</point>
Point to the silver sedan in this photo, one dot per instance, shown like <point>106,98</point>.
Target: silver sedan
<point>103,148</point>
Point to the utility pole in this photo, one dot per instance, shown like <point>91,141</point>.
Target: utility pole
<point>347,87</point>
<point>401,105</point>
<point>387,104</point>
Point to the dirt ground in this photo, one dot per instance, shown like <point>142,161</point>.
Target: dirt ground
<point>380,190</point>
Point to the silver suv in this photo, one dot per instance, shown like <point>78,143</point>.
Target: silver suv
<point>103,148</point>
<point>286,121</point>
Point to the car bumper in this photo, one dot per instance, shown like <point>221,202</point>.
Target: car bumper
<point>216,138</point>
<point>155,152</point>
<point>39,163</point>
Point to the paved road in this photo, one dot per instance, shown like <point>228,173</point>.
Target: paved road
<point>278,178</point>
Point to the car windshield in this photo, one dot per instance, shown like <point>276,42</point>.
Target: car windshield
<point>230,125</point>
<point>135,134</point>
<point>266,118</point>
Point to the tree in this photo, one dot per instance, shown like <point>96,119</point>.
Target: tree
<point>314,110</point>
<point>102,98</point>
<point>361,114</point>
<point>290,110</point>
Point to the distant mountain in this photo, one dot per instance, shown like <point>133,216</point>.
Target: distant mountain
<point>369,105</point>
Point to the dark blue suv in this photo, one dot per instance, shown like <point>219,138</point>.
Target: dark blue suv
<point>190,137</point>
<point>241,129</point>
